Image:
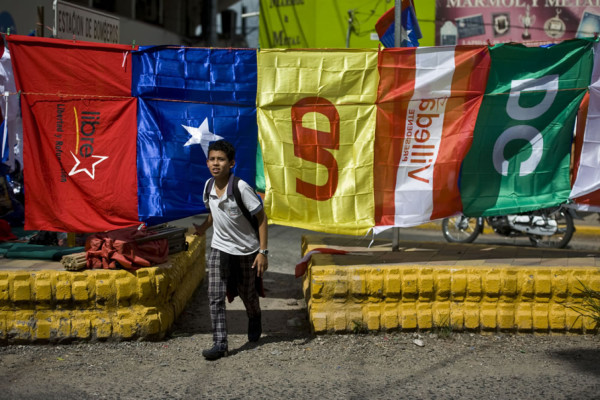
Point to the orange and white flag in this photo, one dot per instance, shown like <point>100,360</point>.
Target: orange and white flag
<point>585,191</point>
<point>428,100</point>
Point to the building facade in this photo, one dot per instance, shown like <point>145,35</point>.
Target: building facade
<point>215,23</point>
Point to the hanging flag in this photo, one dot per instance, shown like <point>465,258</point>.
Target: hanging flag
<point>520,157</point>
<point>580,137</point>
<point>586,165</point>
<point>590,201</point>
<point>316,118</point>
<point>188,98</point>
<point>410,32</point>
<point>79,134</point>
<point>75,67</point>
<point>9,107</point>
<point>425,126</point>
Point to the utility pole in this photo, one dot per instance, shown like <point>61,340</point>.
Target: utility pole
<point>397,43</point>
<point>212,39</point>
<point>398,23</point>
<point>39,30</point>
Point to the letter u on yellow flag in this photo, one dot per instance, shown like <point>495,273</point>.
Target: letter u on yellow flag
<point>316,122</point>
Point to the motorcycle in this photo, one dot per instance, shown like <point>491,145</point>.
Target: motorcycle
<point>548,227</point>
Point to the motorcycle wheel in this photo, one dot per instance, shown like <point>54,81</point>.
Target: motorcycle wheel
<point>461,229</point>
<point>563,235</point>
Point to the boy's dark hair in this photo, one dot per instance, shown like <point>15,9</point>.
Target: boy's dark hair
<point>225,147</point>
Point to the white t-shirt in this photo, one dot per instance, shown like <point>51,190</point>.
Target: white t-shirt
<point>232,232</point>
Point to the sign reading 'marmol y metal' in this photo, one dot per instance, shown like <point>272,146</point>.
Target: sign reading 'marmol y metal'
<point>73,21</point>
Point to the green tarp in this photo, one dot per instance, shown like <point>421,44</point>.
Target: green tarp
<point>36,251</point>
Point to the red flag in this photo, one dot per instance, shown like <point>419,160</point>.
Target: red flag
<point>79,127</point>
<point>428,101</point>
<point>53,66</point>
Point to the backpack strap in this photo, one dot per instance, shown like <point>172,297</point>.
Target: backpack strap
<point>234,187</point>
<point>207,189</point>
<point>238,199</point>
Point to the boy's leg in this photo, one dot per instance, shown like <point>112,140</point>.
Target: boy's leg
<point>217,288</point>
<point>249,295</point>
<point>247,286</point>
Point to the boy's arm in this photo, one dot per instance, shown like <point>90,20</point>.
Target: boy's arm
<point>263,230</point>
<point>201,229</point>
<point>261,263</point>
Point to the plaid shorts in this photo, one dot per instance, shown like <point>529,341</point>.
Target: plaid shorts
<point>219,269</point>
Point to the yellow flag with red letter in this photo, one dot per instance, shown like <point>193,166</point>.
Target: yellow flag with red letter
<point>316,117</point>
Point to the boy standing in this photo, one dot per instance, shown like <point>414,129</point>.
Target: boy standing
<point>238,256</point>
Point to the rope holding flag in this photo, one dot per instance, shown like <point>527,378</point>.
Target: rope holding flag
<point>5,124</point>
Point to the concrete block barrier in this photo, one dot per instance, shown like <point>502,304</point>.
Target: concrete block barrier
<point>447,286</point>
<point>58,305</point>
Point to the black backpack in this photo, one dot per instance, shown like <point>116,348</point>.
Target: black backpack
<point>238,199</point>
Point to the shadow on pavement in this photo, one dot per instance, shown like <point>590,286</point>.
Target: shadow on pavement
<point>585,360</point>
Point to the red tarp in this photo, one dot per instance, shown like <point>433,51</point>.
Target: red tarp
<point>120,248</point>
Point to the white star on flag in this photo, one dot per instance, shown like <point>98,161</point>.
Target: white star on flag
<point>77,162</point>
<point>201,135</point>
<point>406,34</point>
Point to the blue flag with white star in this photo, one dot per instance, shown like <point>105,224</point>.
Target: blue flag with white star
<point>410,30</point>
<point>188,98</point>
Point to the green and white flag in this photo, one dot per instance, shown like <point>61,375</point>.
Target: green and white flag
<point>519,159</point>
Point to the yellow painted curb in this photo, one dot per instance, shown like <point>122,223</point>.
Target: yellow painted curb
<point>349,297</point>
<point>586,230</point>
<point>49,305</point>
